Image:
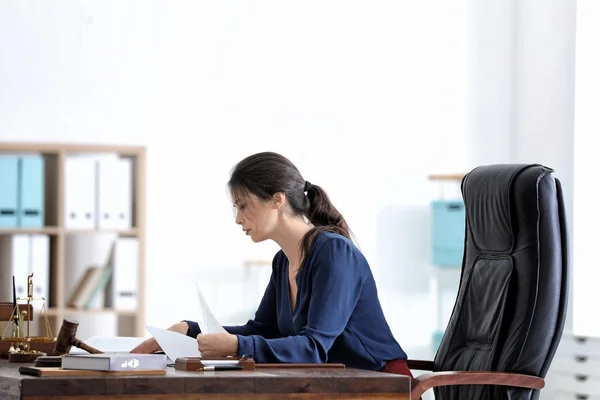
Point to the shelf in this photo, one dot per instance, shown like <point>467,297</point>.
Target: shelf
<point>54,311</point>
<point>41,147</point>
<point>68,247</point>
<point>123,313</point>
<point>258,263</point>
<point>48,230</point>
<point>123,233</point>
<point>53,230</point>
<point>446,177</point>
<point>51,312</point>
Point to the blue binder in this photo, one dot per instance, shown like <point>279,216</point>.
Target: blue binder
<point>9,190</point>
<point>31,196</point>
<point>448,232</point>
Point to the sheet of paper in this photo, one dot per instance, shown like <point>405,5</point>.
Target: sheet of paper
<point>206,320</point>
<point>179,345</point>
<point>110,344</point>
<point>175,344</point>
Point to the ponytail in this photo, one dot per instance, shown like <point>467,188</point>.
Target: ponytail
<point>267,173</point>
<point>323,215</point>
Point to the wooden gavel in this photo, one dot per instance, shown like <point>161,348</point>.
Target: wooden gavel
<point>67,338</point>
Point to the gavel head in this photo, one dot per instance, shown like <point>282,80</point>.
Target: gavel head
<point>65,337</point>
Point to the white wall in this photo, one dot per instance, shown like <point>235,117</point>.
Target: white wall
<point>366,98</point>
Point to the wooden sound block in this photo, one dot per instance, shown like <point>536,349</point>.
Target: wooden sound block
<point>48,361</point>
<point>57,371</point>
<point>24,357</point>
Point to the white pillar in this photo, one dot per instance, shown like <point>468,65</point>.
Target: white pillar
<point>545,93</point>
<point>545,88</point>
<point>521,86</point>
<point>491,81</point>
<point>587,125</point>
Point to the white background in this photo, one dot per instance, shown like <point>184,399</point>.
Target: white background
<point>367,98</point>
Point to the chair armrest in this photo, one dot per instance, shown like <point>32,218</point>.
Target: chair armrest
<point>423,365</point>
<point>424,382</point>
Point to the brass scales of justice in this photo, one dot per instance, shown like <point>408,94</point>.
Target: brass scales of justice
<point>20,337</point>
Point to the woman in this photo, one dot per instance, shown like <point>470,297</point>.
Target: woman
<point>321,303</point>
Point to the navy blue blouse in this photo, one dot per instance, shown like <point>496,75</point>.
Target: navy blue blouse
<point>337,318</point>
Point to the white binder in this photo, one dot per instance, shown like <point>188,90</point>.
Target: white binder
<point>124,284</point>
<point>14,261</point>
<point>22,255</point>
<point>80,192</point>
<point>40,265</point>
<point>39,260</point>
<point>114,193</point>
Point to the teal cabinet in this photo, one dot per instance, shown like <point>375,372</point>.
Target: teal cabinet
<point>448,218</point>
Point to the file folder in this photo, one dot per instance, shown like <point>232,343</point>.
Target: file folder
<point>40,266</point>
<point>31,199</point>
<point>20,256</point>
<point>14,261</point>
<point>114,194</point>
<point>123,287</point>
<point>9,191</point>
<point>80,192</point>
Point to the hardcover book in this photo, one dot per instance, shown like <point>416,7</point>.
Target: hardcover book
<point>115,362</point>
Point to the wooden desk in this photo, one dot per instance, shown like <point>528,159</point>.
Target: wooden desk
<point>261,384</point>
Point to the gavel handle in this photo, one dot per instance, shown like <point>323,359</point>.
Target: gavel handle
<point>79,344</point>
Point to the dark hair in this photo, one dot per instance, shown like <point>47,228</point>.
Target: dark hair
<point>267,173</point>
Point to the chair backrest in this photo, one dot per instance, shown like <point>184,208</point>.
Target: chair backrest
<point>511,304</point>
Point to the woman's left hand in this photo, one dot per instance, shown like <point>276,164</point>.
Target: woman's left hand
<point>217,345</point>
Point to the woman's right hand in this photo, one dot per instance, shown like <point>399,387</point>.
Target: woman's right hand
<point>150,345</point>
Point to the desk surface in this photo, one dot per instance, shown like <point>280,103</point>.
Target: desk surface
<point>301,383</point>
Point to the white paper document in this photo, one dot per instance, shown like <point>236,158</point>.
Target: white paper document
<point>175,344</point>
<point>206,320</point>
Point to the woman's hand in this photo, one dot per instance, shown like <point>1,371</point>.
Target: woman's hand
<point>217,345</point>
<point>150,345</point>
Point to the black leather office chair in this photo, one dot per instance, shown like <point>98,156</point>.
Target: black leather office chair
<point>511,304</point>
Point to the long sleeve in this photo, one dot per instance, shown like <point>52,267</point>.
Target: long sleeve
<point>264,322</point>
<point>337,282</point>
